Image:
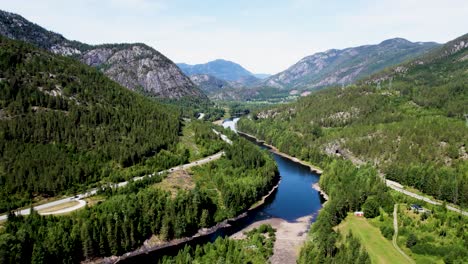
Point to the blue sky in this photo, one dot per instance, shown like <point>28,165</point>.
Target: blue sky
<point>263,36</point>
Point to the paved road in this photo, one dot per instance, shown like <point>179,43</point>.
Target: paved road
<point>399,188</point>
<point>395,234</point>
<point>82,203</point>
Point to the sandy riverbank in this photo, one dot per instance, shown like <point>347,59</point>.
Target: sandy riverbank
<point>289,237</point>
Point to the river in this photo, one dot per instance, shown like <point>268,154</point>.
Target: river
<point>290,209</point>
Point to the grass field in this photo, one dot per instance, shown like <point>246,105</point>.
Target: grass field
<point>380,249</point>
<point>176,181</point>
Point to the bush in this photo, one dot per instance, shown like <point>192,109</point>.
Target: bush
<point>412,240</point>
<point>387,232</point>
<point>371,207</point>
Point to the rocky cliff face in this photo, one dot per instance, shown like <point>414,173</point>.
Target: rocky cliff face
<point>135,66</point>
<point>140,67</point>
<point>336,67</point>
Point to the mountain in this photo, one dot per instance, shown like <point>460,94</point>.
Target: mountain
<point>408,121</point>
<point>65,125</point>
<point>337,67</point>
<point>222,69</point>
<point>433,56</point>
<point>208,83</point>
<point>225,70</point>
<point>135,66</point>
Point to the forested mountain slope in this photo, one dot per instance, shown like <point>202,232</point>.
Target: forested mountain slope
<point>337,67</point>
<point>135,66</point>
<point>64,125</point>
<point>410,124</point>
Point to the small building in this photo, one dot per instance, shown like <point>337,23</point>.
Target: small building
<point>359,213</point>
<point>417,208</point>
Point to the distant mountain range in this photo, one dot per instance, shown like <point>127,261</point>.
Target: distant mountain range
<point>221,69</point>
<point>231,74</point>
<point>336,67</point>
<point>135,66</point>
<point>332,67</point>
<point>141,68</point>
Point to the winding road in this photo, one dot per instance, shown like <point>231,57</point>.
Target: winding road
<point>79,197</point>
<point>399,188</point>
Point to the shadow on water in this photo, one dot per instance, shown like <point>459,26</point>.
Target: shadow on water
<point>294,198</point>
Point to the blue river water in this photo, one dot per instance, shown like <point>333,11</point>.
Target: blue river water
<point>294,198</point>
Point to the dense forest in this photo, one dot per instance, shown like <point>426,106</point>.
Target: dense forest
<point>411,125</point>
<point>256,248</point>
<point>64,125</point>
<point>127,216</point>
<point>364,190</point>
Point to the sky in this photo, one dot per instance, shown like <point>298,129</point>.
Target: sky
<point>263,36</point>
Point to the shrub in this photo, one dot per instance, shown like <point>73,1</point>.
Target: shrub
<point>412,240</point>
<point>387,232</point>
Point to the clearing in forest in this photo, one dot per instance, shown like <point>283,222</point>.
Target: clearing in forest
<point>379,249</point>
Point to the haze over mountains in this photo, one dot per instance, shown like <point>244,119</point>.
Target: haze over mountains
<point>135,66</point>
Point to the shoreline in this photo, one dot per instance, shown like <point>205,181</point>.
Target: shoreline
<point>277,151</point>
<point>201,233</point>
<point>290,237</point>
<point>316,186</point>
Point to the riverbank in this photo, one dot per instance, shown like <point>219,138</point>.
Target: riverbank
<point>316,187</point>
<point>176,244</point>
<point>272,148</point>
<point>290,237</point>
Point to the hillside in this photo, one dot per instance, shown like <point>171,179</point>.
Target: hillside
<point>64,125</point>
<point>135,66</point>
<point>411,126</point>
<point>337,67</point>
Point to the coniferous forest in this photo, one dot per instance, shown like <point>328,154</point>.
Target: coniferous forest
<point>116,151</point>
<point>64,125</point>
<point>410,126</point>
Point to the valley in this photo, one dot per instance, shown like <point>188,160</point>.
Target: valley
<point>357,152</point>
